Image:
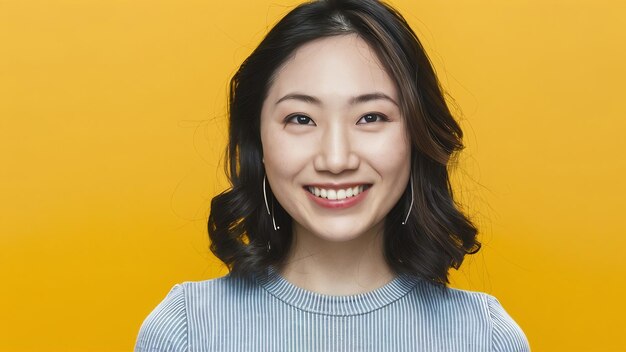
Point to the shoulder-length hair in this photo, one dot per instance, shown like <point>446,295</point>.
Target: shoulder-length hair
<point>437,235</point>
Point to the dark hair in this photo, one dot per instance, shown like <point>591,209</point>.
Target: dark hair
<point>437,236</point>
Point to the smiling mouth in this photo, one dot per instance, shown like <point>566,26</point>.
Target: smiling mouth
<point>337,194</point>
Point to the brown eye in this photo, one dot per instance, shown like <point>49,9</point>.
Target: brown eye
<point>300,120</point>
<point>369,118</point>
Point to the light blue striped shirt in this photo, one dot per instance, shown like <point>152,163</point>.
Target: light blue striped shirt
<point>271,314</point>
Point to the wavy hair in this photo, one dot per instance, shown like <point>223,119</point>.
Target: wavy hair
<point>437,235</point>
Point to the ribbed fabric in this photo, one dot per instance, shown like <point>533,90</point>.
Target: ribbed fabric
<point>271,314</point>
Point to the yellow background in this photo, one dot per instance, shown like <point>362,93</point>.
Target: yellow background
<point>112,127</point>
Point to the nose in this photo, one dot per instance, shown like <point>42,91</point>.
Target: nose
<point>336,152</point>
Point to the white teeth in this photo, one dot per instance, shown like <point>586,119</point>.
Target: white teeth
<point>338,194</point>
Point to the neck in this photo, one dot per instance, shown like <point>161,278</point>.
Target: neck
<point>337,268</point>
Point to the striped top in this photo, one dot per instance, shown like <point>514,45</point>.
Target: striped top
<point>269,313</point>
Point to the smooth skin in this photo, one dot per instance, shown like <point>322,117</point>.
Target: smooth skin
<point>331,116</point>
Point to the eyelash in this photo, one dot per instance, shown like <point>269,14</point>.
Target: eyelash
<point>382,117</point>
<point>290,118</point>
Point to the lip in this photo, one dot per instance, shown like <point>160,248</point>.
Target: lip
<point>337,186</point>
<point>338,204</point>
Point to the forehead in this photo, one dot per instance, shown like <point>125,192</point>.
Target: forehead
<point>335,66</point>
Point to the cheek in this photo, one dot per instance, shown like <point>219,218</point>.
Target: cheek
<point>388,154</point>
<point>285,157</point>
<point>283,154</point>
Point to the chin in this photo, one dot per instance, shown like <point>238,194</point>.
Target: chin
<point>338,237</point>
<point>338,233</point>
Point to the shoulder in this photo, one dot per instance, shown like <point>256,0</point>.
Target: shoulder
<point>185,309</point>
<point>476,309</point>
<point>506,334</point>
<point>165,328</point>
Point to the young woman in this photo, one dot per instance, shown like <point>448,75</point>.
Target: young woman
<point>340,226</point>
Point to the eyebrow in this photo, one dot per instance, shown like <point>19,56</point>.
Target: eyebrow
<point>363,98</point>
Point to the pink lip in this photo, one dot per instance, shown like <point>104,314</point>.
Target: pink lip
<point>337,204</point>
<point>336,185</point>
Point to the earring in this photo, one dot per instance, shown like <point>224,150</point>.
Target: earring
<point>410,206</point>
<point>276,228</point>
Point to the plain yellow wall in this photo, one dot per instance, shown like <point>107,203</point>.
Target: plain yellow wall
<point>112,127</point>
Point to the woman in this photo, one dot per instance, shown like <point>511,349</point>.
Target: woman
<point>340,226</point>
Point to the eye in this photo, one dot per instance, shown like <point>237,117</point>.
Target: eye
<point>372,117</point>
<point>300,120</point>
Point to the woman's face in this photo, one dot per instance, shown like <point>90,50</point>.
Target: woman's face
<point>335,148</point>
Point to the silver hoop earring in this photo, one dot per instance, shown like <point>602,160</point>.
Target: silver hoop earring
<point>410,206</point>
<point>276,228</point>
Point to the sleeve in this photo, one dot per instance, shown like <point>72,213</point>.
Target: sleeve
<point>165,328</point>
<point>506,335</point>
